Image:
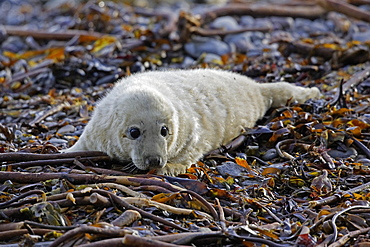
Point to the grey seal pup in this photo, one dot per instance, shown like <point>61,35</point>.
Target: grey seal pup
<point>166,120</point>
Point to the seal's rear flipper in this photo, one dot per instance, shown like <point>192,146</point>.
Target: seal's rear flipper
<point>280,92</point>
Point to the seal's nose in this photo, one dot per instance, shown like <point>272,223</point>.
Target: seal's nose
<point>153,161</point>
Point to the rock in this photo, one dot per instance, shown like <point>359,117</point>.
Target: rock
<point>282,22</point>
<point>263,23</point>
<point>187,62</point>
<point>349,153</point>
<point>270,154</point>
<point>230,168</point>
<point>242,41</point>
<point>225,23</point>
<point>319,26</point>
<point>137,67</point>
<point>66,129</point>
<point>257,38</point>
<point>361,36</point>
<point>246,21</point>
<point>211,58</point>
<point>59,115</point>
<point>13,44</point>
<point>301,27</point>
<point>206,45</point>
<point>56,141</point>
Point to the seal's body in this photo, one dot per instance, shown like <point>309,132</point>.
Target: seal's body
<point>166,120</point>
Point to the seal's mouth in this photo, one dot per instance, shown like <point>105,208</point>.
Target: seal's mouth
<point>154,162</point>
<point>150,163</point>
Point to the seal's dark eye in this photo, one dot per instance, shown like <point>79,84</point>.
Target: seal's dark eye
<point>134,132</point>
<point>164,131</point>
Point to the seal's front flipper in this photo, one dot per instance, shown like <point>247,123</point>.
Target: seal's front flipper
<point>172,169</point>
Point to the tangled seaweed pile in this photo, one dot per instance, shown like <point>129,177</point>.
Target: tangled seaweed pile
<point>300,177</point>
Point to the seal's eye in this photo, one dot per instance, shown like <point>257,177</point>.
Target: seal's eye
<point>134,132</point>
<point>164,131</point>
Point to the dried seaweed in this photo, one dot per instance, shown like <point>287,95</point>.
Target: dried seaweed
<point>299,177</point>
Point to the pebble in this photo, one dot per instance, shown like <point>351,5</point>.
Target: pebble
<point>349,153</point>
<point>13,44</point>
<point>210,58</point>
<point>26,137</point>
<point>65,21</point>
<point>230,168</point>
<point>56,141</point>
<point>206,45</point>
<point>58,115</point>
<point>270,154</point>
<point>225,23</point>
<point>263,23</point>
<point>362,36</point>
<point>77,132</point>
<point>282,23</point>
<point>137,67</point>
<point>247,21</point>
<point>254,52</point>
<point>243,155</point>
<point>364,161</point>
<point>241,41</point>
<point>67,129</point>
<point>301,27</point>
<point>187,62</point>
<point>257,38</point>
<point>14,17</point>
<point>319,26</point>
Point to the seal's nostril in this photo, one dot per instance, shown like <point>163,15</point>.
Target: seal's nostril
<point>153,161</point>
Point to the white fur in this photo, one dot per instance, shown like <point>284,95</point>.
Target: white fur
<point>202,110</point>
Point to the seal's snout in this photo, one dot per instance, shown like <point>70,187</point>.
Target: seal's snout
<point>154,161</point>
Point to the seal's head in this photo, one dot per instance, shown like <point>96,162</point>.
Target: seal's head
<point>147,128</point>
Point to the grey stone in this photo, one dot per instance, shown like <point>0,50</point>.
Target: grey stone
<point>206,45</point>
<point>230,168</point>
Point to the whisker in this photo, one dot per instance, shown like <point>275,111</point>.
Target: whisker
<point>132,169</point>
<point>128,167</point>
